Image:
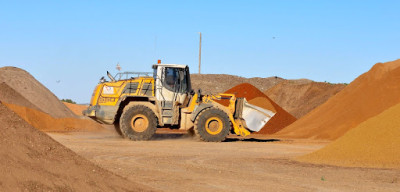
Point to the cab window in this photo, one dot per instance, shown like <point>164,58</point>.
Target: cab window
<point>171,81</point>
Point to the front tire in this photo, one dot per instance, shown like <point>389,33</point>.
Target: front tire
<point>138,123</point>
<point>118,129</point>
<point>212,125</point>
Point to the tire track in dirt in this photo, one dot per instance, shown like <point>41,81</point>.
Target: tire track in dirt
<point>186,164</point>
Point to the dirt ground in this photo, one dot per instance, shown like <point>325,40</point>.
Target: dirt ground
<point>176,162</point>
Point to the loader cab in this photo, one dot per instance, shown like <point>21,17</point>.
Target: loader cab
<point>172,79</point>
<point>177,79</point>
<point>172,89</point>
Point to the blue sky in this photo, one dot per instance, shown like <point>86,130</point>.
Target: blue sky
<point>76,42</point>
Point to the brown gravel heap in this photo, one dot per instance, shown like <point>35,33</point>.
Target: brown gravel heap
<point>367,96</point>
<point>300,97</point>
<point>32,161</point>
<point>25,84</point>
<point>373,143</point>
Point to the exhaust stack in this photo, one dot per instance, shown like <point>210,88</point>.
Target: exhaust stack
<point>110,76</point>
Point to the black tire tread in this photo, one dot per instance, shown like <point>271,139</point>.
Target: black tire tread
<point>126,118</point>
<point>118,129</point>
<point>202,117</point>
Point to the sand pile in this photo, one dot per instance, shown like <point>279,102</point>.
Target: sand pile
<point>45,122</point>
<point>367,96</point>
<point>37,94</point>
<point>32,161</point>
<point>9,95</point>
<point>75,108</point>
<point>256,97</point>
<point>36,116</point>
<point>373,143</point>
<point>300,97</point>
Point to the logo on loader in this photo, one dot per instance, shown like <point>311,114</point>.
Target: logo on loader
<point>108,90</point>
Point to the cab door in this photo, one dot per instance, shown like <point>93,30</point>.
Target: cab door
<point>171,90</point>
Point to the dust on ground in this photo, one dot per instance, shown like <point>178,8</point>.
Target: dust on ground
<point>175,162</point>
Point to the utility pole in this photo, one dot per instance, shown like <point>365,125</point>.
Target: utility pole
<point>200,53</point>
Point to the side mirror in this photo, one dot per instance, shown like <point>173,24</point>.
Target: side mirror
<point>198,96</point>
<point>102,80</point>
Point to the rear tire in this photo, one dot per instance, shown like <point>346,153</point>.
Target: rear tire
<point>138,123</point>
<point>212,125</point>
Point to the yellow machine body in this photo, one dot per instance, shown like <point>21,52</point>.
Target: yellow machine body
<point>109,93</point>
<point>169,96</point>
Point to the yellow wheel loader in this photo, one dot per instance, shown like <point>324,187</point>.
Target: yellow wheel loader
<point>138,103</point>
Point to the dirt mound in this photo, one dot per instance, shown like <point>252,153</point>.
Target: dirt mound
<point>77,109</point>
<point>32,161</point>
<point>373,143</point>
<point>9,95</point>
<point>263,102</point>
<point>300,97</point>
<point>256,97</point>
<point>218,83</point>
<point>26,85</point>
<point>45,122</point>
<point>367,96</point>
<point>40,120</point>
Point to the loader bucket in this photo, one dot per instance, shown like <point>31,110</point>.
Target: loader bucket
<point>255,117</point>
